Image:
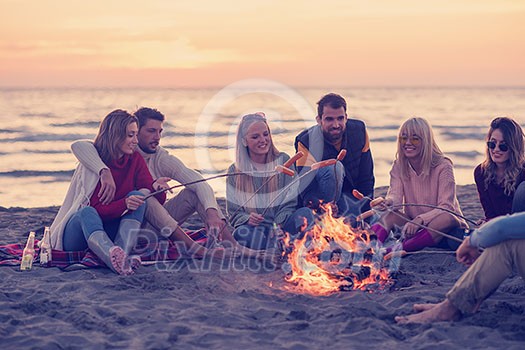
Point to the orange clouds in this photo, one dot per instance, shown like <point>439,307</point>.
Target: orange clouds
<point>167,43</point>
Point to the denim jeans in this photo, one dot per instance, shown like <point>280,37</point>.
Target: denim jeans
<point>326,186</point>
<point>518,203</point>
<point>261,237</point>
<point>86,221</point>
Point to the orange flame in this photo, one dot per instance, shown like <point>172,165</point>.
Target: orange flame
<point>333,256</point>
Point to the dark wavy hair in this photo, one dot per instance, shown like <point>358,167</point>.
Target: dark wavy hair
<point>112,133</point>
<point>514,138</point>
<point>145,113</point>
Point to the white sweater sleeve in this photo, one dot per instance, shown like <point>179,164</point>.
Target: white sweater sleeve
<point>87,155</point>
<point>172,167</point>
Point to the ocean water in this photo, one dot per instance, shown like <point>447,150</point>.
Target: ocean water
<point>37,126</point>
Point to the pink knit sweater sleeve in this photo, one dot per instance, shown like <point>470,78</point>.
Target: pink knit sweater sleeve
<point>444,183</point>
<point>396,190</point>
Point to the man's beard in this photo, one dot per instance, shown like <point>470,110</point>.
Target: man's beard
<point>148,150</point>
<point>333,138</point>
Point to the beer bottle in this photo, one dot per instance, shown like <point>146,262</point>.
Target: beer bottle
<point>29,253</point>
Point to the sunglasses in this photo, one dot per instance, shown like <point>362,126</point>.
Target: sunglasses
<point>502,146</point>
<point>415,140</point>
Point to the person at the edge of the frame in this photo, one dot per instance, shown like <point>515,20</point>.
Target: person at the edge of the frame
<point>335,132</point>
<point>196,197</point>
<point>504,241</point>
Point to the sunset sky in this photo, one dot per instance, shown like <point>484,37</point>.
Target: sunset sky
<point>172,43</point>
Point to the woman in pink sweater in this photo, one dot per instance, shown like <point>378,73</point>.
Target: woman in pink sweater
<point>421,174</point>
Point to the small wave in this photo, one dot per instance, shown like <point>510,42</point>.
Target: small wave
<point>383,127</point>
<point>443,126</point>
<point>77,124</point>
<point>192,134</point>
<point>45,115</point>
<point>223,147</point>
<point>465,154</point>
<point>293,120</point>
<point>48,137</point>
<point>43,151</point>
<point>10,131</point>
<point>279,131</point>
<point>35,173</point>
<point>453,135</point>
<point>174,147</point>
<point>384,139</point>
<point>463,166</point>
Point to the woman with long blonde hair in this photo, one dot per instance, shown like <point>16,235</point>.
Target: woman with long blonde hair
<point>255,160</point>
<point>499,175</point>
<point>421,174</point>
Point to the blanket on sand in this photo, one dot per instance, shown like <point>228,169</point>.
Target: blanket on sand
<point>148,250</point>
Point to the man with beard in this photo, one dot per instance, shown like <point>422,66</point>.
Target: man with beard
<point>166,219</point>
<point>335,132</point>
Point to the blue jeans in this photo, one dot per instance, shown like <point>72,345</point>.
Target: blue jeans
<point>326,186</point>
<point>518,203</point>
<point>86,221</point>
<point>261,237</point>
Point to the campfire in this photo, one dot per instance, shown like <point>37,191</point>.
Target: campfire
<point>332,257</point>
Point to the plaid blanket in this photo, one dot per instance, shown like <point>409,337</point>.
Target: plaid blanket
<point>158,251</point>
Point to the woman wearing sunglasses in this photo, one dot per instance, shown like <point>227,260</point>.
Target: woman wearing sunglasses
<point>421,174</point>
<point>498,177</point>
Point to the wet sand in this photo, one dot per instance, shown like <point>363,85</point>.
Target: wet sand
<point>206,304</point>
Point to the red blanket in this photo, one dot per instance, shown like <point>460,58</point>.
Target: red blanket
<point>162,251</point>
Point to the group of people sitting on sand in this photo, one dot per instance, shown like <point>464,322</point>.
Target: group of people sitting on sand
<point>120,186</point>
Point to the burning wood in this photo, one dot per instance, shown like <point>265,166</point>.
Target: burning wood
<point>333,257</point>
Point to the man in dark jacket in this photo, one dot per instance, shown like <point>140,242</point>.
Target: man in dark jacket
<point>333,133</point>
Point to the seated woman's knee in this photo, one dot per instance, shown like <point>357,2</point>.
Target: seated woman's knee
<point>88,212</point>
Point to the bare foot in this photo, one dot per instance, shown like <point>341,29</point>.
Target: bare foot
<point>443,311</point>
<point>424,307</point>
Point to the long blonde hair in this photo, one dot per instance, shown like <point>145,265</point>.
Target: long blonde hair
<point>513,137</point>
<point>244,164</point>
<point>430,154</point>
<point>111,134</point>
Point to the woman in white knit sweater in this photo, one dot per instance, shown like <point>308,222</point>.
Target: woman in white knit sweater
<point>255,215</point>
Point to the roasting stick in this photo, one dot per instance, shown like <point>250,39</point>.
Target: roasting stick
<point>435,207</point>
<point>366,214</point>
<point>189,183</point>
<point>371,212</point>
<point>204,179</point>
<point>340,157</point>
<point>313,168</point>
<point>392,210</point>
<point>403,253</point>
<point>430,229</point>
<point>284,169</point>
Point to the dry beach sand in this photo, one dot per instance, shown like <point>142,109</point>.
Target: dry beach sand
<point>182,306</point>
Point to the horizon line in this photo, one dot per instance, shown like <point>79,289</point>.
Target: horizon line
<point>153,87</point>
